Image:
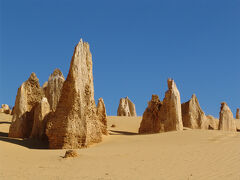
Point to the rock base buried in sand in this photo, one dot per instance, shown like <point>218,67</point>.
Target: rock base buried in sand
<point>71,153</point>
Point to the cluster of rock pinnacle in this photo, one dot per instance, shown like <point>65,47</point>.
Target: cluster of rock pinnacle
<point>64,111</point>
<point>171,115</point>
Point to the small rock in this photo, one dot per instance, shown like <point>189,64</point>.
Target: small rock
<point>126,108</point>
<point>71,153</point>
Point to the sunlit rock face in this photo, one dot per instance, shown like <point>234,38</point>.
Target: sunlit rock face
<point>226,120</point>
<point>102,115</point>
<point>53,87</point>
<point>163,116</point>
<point>75,123</point>
<point>192,114</point>
<point>171,113</point>
<point>28,96</point>
<point>126,108</point>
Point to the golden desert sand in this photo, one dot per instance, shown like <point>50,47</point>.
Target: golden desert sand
<point>124,154</point>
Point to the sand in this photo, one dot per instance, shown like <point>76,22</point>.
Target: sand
<point>191,154</point>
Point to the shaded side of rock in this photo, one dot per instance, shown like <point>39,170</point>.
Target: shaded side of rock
<point>192,114</point>
<point>102,115</point>
<point>40,119</point>
<point>226,120</point>
<point>238,114</point>
<point>171,113</point>
<point>53,88</point>
<point>151,122</point>
<point>28,96</point>
<point>75,123</point>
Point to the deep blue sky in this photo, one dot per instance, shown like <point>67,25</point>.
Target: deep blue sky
<point>136,46</point>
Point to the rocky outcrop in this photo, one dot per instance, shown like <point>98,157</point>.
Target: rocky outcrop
<point>226,120</point>
<point>28,96</point>
<point>238,114</point>
<point>192,114</point>
<point>163,116</point>
<point>102,115</point>
<point>41,112</point>
<point>171,113</point>
<point>151,122</point>
<point>5,109</point>
<point>126,108</point>
<point>53,88</point>
<point>212,122</point>
<point>75,123</point>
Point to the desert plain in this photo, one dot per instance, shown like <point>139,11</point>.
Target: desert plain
<point>125,154</point>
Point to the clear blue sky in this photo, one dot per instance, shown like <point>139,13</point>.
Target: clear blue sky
<point>136,46</point>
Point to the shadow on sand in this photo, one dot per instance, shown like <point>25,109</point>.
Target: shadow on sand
<point>122,133</point>
<point>5,122</point>
<point>28,143</point>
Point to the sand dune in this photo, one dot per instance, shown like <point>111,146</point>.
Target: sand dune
<point>191,154</point>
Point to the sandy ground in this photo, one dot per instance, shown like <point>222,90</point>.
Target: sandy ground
<point>191,154</point>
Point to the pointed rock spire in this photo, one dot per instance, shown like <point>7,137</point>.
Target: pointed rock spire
<point>102,115</point>
<point>151,121</point>
<point>171,112</point>
<point>28,96</point>
<point>75,123</point>
<point>192,114</point>
<point>53,88</point>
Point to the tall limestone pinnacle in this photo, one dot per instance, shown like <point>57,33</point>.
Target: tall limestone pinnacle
<point>171,111</point>
<point>226,120</point>
<point>75,123</point>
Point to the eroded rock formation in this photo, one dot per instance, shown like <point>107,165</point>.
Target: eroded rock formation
<point>53,88</point>
<point>28,96</point>
<point>151,122</point>
<point>5,109</point>
<point>163,116</point>
<point>75,123</point>
<point>226,120</point>
<point>126,108</point>
<point>212,122</point>
<point>41,112</point>
<point>102,115</point>
<point>192,114</point>
<point>171,113</point>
